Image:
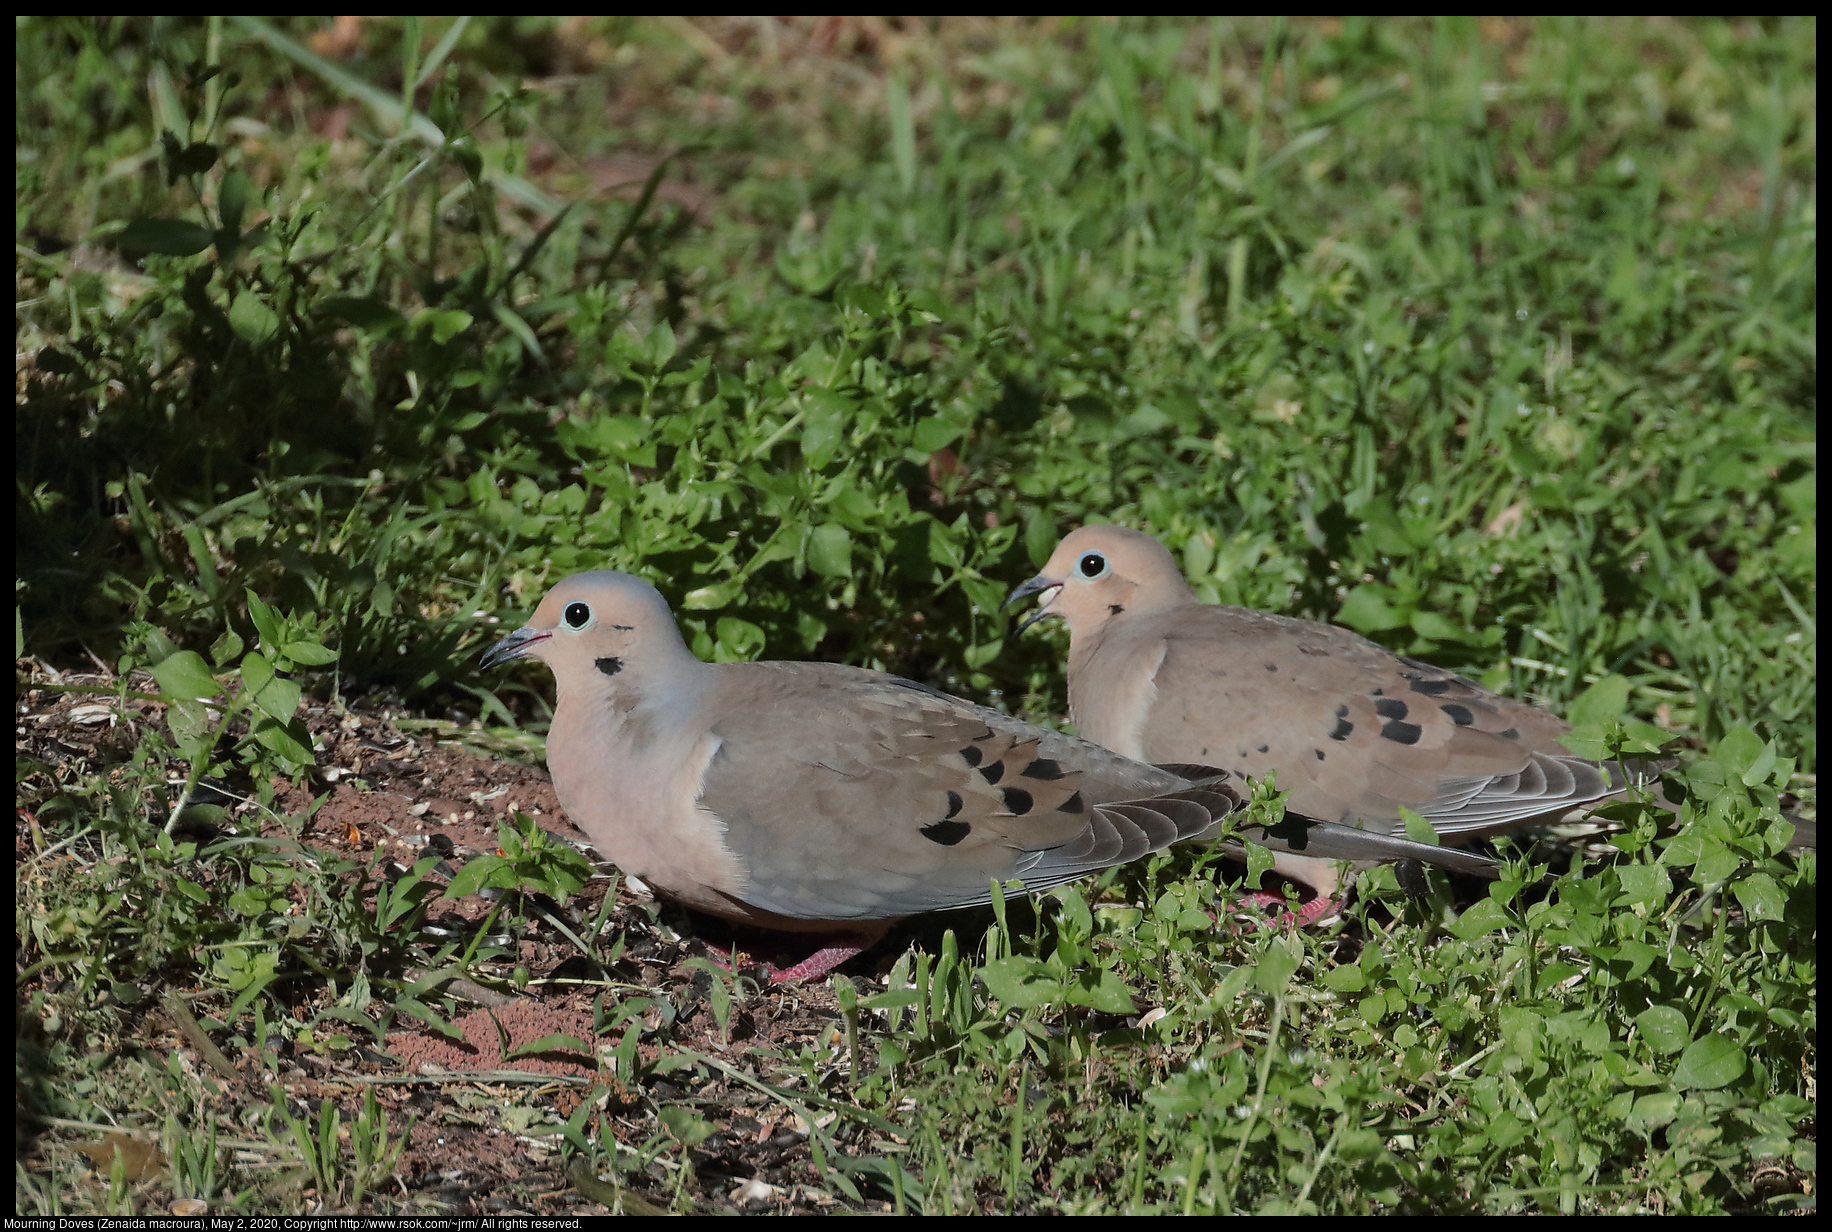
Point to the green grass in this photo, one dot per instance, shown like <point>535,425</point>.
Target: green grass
<point>1494,340</point>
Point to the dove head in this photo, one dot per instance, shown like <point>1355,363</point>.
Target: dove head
<point>601,629</point>
<point>1099,572</point>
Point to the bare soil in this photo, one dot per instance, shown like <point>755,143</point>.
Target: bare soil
<point>484,1130</point>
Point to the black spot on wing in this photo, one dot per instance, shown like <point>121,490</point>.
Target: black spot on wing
<point>972,756</point>
<point>954,804</point>
<point>947,833</point>
<point>1343,728</point>
<point>1390,708</point>
<point>1043,768</point>
<point>609,666</point>
<point>1074,804</point>
<point>1265,748</point>
<point>1512,733</point>
<point>1319,753</point>
<point>1459,715</point>
<point>994,772</point>
<point>1401,733</point>
<point>1430,688</point>
<point>1017,801</point>
<point>1272,667</point>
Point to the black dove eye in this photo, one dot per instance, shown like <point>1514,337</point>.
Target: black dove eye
<point>1093,565</point>
<point>577,615</point>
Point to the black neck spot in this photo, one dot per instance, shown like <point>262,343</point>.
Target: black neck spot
<point>1115,610</point>
<point>609,666</point>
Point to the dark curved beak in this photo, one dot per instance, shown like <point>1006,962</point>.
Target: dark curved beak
<point>1037,585</point>
<point>515,646</point>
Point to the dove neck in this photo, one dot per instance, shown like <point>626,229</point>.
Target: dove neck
<point>637,695</point>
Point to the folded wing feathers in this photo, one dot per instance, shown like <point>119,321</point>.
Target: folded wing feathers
<point>1546,785</point>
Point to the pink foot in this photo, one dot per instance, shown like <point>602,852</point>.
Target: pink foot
<point>1258,904</point>
<point>818,963</point>
<point>841,947</point>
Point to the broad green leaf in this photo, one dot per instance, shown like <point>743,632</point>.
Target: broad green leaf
<point>933,434</point>
<point>1260,861</point>
<point>288,740</point>
<point>169,236</point>
<point>1039,538</point>
<point>825,426</point>
<point>894,999</point>
<point>1589,741</point>
<point>1418,829</point>
<point>276,696</point>
<point>1275,969</point>
<point>1759,769</point>
<point>1484,916</point>
<point>1653,1111</point>
<point>191,723</point>
<point>739,640</point>
<point>1021,982</point>
<point>1439,628</point>
<point>1602,701</point>
<point>250,317</point>
<point>480,872</point>
<point>1741,750</point>
<point>1709,1063</point>
<point>686,1126</point>
<point>1762,898</point>
<point>1102,990</point>
<point>443,324</point>
<point>266,620</point>
<point>1644,884</point>
<point>830,551</point>
<point>712,598</point>
<point>1367,612</point>
<point>1347,978</point>
<point>1075,914</point>
<point>659,345</point>
<point>226,647</point>
<point>309,653</point>
<point>232,201</point>
<point>186,675</point>
<point>1663,1027</point>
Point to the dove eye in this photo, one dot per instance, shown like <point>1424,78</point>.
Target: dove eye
<point>577,615</point>
<point>1093,565</point>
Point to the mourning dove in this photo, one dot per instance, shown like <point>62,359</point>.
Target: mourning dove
<point>1352,730</point>
<point>810,797</point>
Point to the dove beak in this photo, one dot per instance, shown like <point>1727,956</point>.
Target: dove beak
<point>1046,586</point>
<point>515,646</point>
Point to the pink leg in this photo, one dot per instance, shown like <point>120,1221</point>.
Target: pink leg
<point>840,947</point>
<point>819,963</point>
<point>1320,907</point>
